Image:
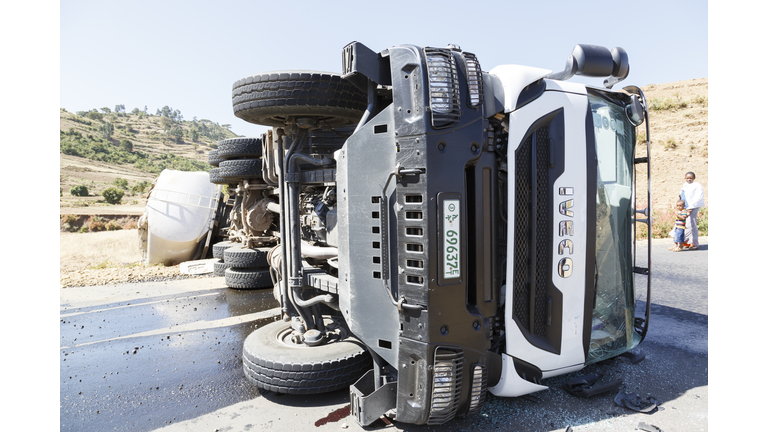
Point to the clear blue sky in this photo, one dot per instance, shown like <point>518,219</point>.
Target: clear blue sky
<point>187,54</point>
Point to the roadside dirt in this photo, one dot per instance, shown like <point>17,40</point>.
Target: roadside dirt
<point>102,258</point>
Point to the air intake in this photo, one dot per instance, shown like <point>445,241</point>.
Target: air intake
<point>532,224</point>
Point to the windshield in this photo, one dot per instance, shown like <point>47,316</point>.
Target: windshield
<point>614,313</point>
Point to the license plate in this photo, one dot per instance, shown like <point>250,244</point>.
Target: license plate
<point>451,239</point>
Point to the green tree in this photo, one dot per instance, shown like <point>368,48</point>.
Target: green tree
<point>194,134</point>
<point>106,110</point>
<point>112,195</point>
<point>120,108</point>
<point>177,134</point>
<point>126,145</point>
<point>79,190</point>
<point>135,111</point>
<point>166,123</point>
<point>94,115</point>
<point>106,130</point>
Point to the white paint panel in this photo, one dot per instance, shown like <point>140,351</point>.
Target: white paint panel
<point>574,176</point>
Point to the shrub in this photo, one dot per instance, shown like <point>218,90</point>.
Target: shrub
<point>94,224</point>
<point>69,219</point>
<point>703,219</point>
<point>662,104</point>
<point>670,144</point>
<point>113,226</point>
<point>126,145</point>
<point>79,190</point>
<point>93,115</point>
<point>702,100</point>
<point>69,223</point>
<point>121,183</point>
<point>112,195</point>
<point>140,187</point>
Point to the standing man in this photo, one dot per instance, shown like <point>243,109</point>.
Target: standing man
<point>693,195</point>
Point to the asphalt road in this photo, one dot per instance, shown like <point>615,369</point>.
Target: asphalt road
<point>166,355</point>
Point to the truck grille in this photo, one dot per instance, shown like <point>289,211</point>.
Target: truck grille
<point>532,215</point>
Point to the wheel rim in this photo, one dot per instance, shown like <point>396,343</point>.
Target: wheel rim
<point>334,333</point>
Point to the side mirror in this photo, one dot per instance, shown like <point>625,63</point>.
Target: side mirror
<point>620,67</point>
<point>634,111</point>
<point>595,61</point>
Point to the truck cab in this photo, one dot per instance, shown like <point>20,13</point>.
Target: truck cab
<point>477,228</point>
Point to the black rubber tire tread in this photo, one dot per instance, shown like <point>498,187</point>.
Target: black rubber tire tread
<point>219,267</point>
<point>253,278</point>
<point>240,169</point>
<point>269,98</point>
<point>235,148</point>
<point>213,158</point>
<point>302,370</point>
<point>241,257</point>
<point>220,247</point>
<point>214,175</point>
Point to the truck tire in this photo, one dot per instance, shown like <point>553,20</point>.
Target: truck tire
<point>240,169</point>
<point>219,267</point>
<point>241,257</point>
<point>272,362</point>
<point>213,158</point>
<point>214,175</point>
<point>235,148</point>
<point>220,247</point>
<point>270,98</point>
<point>247,278</point>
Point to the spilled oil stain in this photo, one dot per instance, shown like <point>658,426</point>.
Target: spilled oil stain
<point>334,416</point>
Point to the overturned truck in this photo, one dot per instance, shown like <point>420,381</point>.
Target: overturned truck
<point>433,231</point>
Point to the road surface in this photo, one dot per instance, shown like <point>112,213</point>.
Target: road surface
<point>166,356</point>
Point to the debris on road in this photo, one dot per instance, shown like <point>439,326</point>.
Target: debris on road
<point>587,385</point>
<point>632,401</point>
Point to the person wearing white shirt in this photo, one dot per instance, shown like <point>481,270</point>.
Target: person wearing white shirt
<point>693,195</point>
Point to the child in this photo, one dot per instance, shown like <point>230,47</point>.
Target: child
<point>681,214</point>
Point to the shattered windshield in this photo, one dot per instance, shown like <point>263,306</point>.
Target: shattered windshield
<point>614,313</point>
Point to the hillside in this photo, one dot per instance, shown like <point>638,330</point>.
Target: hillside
<point>98,146</point>
<point>679,123</point>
